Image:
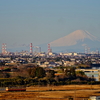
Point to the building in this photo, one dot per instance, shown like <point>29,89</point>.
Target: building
<point>94,98</point>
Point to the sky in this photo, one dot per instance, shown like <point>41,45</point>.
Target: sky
<point>42,21</point>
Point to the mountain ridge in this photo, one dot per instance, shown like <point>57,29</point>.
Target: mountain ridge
<point>73,38</point>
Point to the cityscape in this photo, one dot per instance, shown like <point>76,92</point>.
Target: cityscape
<point>85,68</point>
<point>49,49</point>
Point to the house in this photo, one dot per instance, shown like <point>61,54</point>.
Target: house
<point>68,63</point>
<point>94,98</point>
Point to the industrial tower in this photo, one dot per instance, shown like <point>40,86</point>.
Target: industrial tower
<point>49,48</point>
<point>4,51</point>
<point>31,48</point>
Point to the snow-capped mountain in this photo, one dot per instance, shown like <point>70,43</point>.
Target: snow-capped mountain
<point>77,40</point>
<point>73,38</point>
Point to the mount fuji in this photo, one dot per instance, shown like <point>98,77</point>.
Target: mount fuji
<point>76,41</point>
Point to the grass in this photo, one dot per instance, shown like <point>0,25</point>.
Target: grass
<point>53,93</point>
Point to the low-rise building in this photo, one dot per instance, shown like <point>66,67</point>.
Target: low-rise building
<point>94,98</point>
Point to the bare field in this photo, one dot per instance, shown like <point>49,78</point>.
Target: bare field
<point>78,92</point>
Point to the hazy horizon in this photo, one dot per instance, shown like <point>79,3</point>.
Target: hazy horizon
<point>41,21</point>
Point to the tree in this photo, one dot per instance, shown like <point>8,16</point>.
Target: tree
<point>32,72</point>
<point>4,75</point>
<point>50,74</point>
<point>38,72</point>
<point>80,73</point>
<point>70,72</point>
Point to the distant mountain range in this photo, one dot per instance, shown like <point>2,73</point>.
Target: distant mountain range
<point>76,41</point>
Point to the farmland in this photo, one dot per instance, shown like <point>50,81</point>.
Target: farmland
<point>78,92</point>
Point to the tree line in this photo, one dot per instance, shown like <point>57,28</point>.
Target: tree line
<point>35,75</point>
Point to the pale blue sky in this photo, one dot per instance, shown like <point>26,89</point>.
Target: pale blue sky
<point>42,21</point>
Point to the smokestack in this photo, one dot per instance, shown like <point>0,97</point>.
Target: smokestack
<point>49,48</point>
<point>31,48</point>
<point>4,51</point>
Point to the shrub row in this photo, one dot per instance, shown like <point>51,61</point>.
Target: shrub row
<point>19,81</point>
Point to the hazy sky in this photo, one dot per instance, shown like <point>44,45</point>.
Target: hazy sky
<point>42,21</point>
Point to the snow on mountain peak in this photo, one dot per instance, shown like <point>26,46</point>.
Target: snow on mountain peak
<point>73,38</point>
